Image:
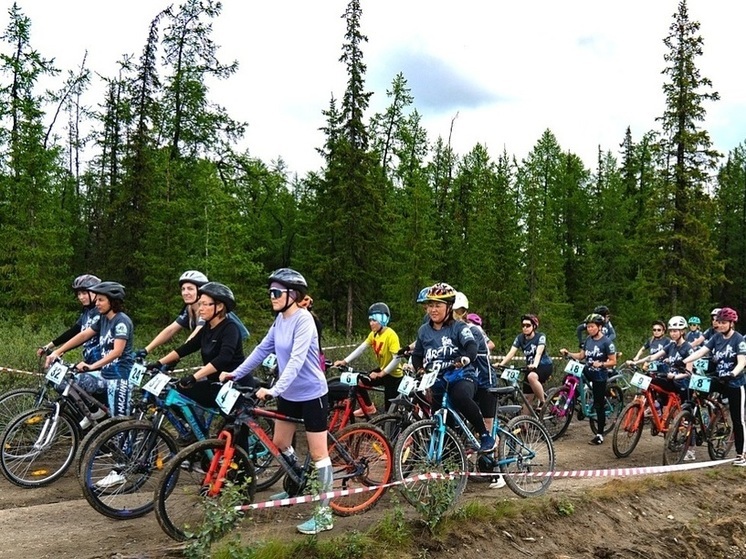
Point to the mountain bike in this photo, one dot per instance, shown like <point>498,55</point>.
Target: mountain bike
<point>431,446</point>
<point>643,407</point>
<point>575,394</point>
<point>410,405</point>
<point>704,419</point>
<point>351,382</point>
<point>39,445</point>
<point>360,454</point>
<point>18,400</point>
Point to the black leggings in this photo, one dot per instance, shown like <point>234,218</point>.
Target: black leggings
<point>461,396</point>
<point>736,403</point>
<point>599,403</point>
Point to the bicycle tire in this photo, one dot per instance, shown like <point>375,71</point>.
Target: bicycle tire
<point>614,407</point>
<point>678,437</point>
<point>719,435</point>
<point>628,429</point>
<point>362,458</point>
<point>532,455</point>
<point>411,458</point>
<point>90,437</point>
<point>26,466</point>
<point>134,449</point>
<point>16,401</point>
<point>392,425</point>
<point>180,493</point>
<point>551,412</point>
<point>267,468</point>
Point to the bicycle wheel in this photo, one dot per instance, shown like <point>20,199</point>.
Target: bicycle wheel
<point>38,447</point>
<point>719,435</point>
<point>628,429</point>
<point>89,438</point>
<point>556,413</point>
<point>266,468</point>
<point>391,424</point>
<point>183,490</point>
<point>526,454</point>
<point>678,437</point>
<point>15,402</point>
<point>122,466</point>
<point>614,406</point>
<point>361,458</point>
<point>413,456</point>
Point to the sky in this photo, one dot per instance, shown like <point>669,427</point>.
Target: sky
<point>502,72</point>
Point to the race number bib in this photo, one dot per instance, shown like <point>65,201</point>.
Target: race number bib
<point>227,397</point>
<point>574,368</point>
<point>156,384</point>
<point>701,366</point>
<point>406,385</point>
<point>136,374</point>
<point>350,379</point>
<point>510,375</point>
<point>428,379</point>
<point>699,383</point>
<point>56,373</point>
<point>640,381</point>
<point>270,361</point>
<point>653,366</point>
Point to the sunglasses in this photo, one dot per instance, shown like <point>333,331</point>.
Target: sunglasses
<point>277,293</point>
<point>657,329</point>
<point>526,325</point>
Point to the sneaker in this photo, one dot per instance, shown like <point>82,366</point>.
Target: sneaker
<point>497,482</point>
<point>279,496</point>
<point>369,410</point>
<point>320,522</point>
<point>690,456</point>
<point>112,478</point>
<point>488,444</point>
<point>740,461</point>
<point>597,440</point>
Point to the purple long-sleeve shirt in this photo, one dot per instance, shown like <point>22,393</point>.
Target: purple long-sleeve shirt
<point>295,343</point>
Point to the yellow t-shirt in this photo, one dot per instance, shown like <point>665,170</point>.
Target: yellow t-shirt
<point>385,344</point>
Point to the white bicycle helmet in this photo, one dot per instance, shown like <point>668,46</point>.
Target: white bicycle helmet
<point>677,323</point>
<point>193,276</point>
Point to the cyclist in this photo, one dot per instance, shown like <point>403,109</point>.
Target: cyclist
<point>707,334</point>
<point>607,329</point>
<point>694,332</point>
<point>385,345</point>
<point>301,389</point>
<point>727,349</point>
<point>655,343</point>
<point>115,334</point>
<point>218,340</point>
<point>189,318</point>
<point>474,318</point>
<point>534,346</point>
<point>91,351</point>
<point>448,346</point>
<point>600,355</point>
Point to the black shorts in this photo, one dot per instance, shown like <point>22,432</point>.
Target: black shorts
<point>544,372</point>
<point>313,412</point>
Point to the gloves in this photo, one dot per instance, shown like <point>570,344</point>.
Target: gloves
<point>403,351</point>
<point>141,353</point>
<point>187,381</point>
<point>157,367</point>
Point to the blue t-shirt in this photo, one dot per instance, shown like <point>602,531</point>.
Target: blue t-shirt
<point>725,354</point>
<point>530,347</point>
<point>598,350</point>
<point>440,348</point>
<point>693,335</point>
<point>654,345</point>
<point>119,327</point>
<point>485,377</point>
<point>91,349</point>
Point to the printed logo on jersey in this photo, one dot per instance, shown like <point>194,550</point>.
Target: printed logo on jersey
<point>121,330</point>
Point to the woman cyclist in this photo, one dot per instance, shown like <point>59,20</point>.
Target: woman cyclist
<point>694,332</point>
<point>709,333</point>
<point>385,345</point>
<point>655,343</point>
<point>534,346</point>
<point>727,349</point>
<point>91,351</point>
<point>475,319</point>
<point>607,329</point>
<point>448,346</point>
<point>218,341</point>
<point>301,389</point>
<point>600,355</point>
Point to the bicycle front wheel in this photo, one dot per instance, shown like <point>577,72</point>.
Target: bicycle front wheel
<point>38,447</point>
<point>362,459</point>
<point>556,413</point>
<point>526,455</point>
<point>418,452</point>
<point>392,425</point>
<point>121,468</point>
<point>628,429</point>
<point>183,493</point>
<point>90,437</point>
<point>678,438</point>
<point>719,435</point>
<point>613,408</point>
<point>15,402</point>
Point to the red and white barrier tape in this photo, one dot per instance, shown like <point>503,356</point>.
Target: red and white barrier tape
<point>611,472</point>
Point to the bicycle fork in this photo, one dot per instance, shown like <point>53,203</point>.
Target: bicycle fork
<point>49,430</point>
<point>221,462</point>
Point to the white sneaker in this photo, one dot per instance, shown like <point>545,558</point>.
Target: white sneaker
<point>112,478</point>
<point>740,460</point>
<point>497,482</point>
<point>690,456</point>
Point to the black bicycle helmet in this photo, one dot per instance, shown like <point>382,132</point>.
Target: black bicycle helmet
<point>193,276</point>
<point>595,318</point>
<point>85,282</point>
<point>219,292</point>
<point>113,290</point>
<point>603,310</point>
<point>381,308</point>
<point>290,279</point>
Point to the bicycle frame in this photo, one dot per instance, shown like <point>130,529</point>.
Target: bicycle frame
<point>342,411</point>
<point>661,420</point>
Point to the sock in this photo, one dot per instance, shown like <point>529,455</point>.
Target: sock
<point>326,477</point>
